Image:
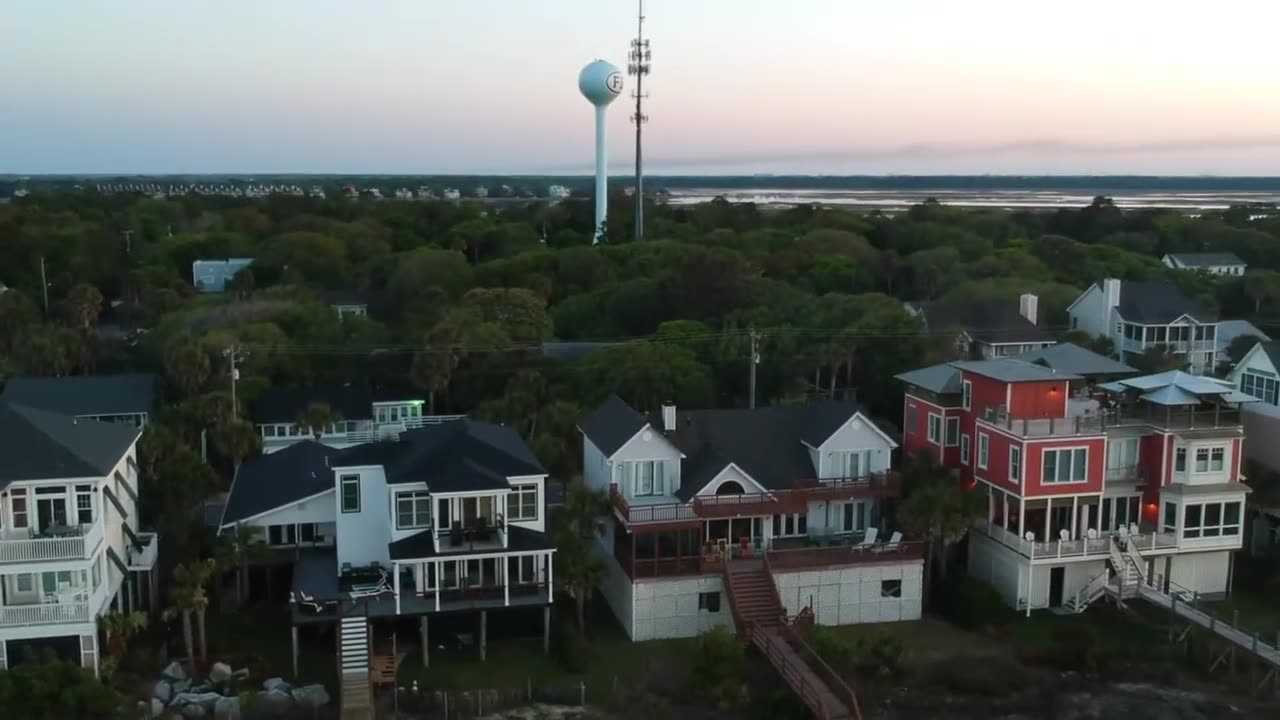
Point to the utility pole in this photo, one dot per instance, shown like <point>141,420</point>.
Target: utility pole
<point>638,66</point>
<point>128,241</point>
<point>44,286</point>
<point>755,360</point>
<point>232,354</point>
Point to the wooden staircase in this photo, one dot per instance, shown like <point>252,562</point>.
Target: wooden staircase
<point>353,668</point>
<point>760,616</point>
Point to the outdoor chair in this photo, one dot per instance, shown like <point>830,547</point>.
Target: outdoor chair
<point>895,541</point>
<point>870,537</point>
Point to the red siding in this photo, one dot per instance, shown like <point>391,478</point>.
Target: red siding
<point>1155,457</point>
<point>1033,461</point>
<point>997,470</point>
<point>986,392</point>
<point>916,438</point>
<point>1038,400</point>
<point>1237,448</point>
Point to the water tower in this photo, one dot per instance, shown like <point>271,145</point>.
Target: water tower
<point>600,83</point>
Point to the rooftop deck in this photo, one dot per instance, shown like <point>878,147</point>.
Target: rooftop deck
<point>1089,418</point>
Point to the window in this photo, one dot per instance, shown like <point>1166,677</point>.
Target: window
<point>912,416</point>
<point>1122,453</point>
<point>953,431</point>
<point>1217,459</point>
<point>18,507</point>
<point>984,450</point>
<point>1255,383</point>
<point>709,601</point>
<point>84,504</point>
<point>282,535</point>
<point>793,525</point>
<point>307,532</point>
<point>1211,520</point>
<point>1067,465</point>
<point>26,583</point>
<point>853,464</point>
<point>1180,460</point>
<point>890,588</point>
<point>413,510</point>
<point>96,570</point>
<point>350,493</point>
<point>442,514</point>
<point>964,449</point>
<point>1170,522</point>
<point>522,504</point>
<point>966,395</point>
<point>647,478</point>
<point>853,517</point>
<point>1015,463</point>
<point>935,429</point>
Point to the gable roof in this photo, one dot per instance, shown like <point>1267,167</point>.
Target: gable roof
<point>1011,370</point>
<point>40,445</point>
<point>277,479</point>
<point>1270,348</point>
<point>85,395</point>
<point>452,456</point>
<point>990,321</point>
<point>1158,302</point>
<point>1071,358</point>
<point>352,402</point>
<point>942,379</point>
<point>1210,259</point>
<point>611,425</point>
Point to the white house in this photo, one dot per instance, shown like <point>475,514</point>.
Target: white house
<point>1214,263</point>
<point>128,398</point>
<point>447,518</point>
<point>212,276</point>
<point>1258,374</point>
<point>70,549</point>
<point>701,497</point>
<point>1137,316</point>
<point>365,413</point>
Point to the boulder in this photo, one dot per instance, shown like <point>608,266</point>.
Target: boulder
<point>275,701</point>
<point>194,711</point>
<point>241,674</point>
<point>311,695</point>
<point>157,708</point>
<point>163,691</point>
<point>180,686</point>
<point>205,700</point>
<point>275,683</point>
<point>227,708</point>
<point>174,671</point>
<point>219,673</point>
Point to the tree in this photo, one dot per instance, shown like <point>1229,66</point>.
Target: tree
<point>939,512</point>
<point>578,570</point>
<point>236,439</point>
<point>186,364</point>
<point>238,549</point>
<point>646,375</point>
<point>83,305</point>
<point>1158,359</point>
<point>47,688</point>
<point>242,283</point>
<point>1262,286</point>
<point>316,417</point>
<point>190,597</point>
<point>119,628</point>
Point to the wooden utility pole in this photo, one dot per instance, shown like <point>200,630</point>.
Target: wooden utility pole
<point>233,359</point>
<point>755,360</point>
<point>44,286</point>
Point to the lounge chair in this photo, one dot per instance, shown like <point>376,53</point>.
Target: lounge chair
<point>895,541</point>
<point>870,537</point>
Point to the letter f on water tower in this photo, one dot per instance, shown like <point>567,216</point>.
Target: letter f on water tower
<point>600,83</point>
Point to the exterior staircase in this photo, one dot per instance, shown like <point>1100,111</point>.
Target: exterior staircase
<point>760,616</point>
<point>353,668</point>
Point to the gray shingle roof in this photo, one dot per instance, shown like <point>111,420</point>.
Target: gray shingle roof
<point>40,445</point>
<point>1206,259</point>
<point>1158,302</point>
<point>1010,370</point>
<point>941,379</point>
<point>1071,358</point>
<point>353,402</point>
<point>85,395</point>
<point>1272,350</point>
<point>611,425</point>
<point>277,479</point>
<point>990,321</point>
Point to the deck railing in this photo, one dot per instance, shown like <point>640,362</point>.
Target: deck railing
<point>1127,415</point>
<point>44,614</point>
<point>1079,547</point>
<point>840,555</point>
<point>17,545</point>
<point>834,682</point>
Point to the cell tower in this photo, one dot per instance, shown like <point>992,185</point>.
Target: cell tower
<point>638,65</point>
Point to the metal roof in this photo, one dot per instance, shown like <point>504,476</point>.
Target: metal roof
<point>1071,358</point>
<point>942,379</point>
<point>1012,370</point>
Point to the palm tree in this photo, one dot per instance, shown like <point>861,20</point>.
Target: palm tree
<point>236,440</point>
<point>939,512</point>
<point>578,569</point>
<point>316,418</point>
<point>83,305</point>
<point>186,364</point>
<point>189,598</point>
<point>119,627</point>
<point>236,550</point>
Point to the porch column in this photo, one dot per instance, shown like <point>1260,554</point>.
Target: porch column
<point>503,567</point>
<point>484,625</point>
<point>1004,498</point>
<point>426,642</point>
<point>1022,517</point>
<point>1048,511</point>
<point>991,508</point>
<point>546,630</point>
<point>395,582</point>
<point>1075,512</point>
<point>294,633</point>
<point>439,582</point>
<point>154,591</point>
<point>550,586</point>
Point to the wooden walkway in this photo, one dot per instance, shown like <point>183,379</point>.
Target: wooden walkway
<point>1253,643</point>
<point>789,658</point>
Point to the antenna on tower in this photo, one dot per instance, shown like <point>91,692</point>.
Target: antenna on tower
<point>638,66</point>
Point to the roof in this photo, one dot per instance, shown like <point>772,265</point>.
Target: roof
<point>942,379</point>
<point>519,539</point>
<point>1229,330</point>
<point>85,395</point>
<point>352,402</point>
<point>452,456</point>
<point>768,444</point>
<point>40,445</point>
<point>1012,370</point>
<point>1175,387</point>
<point>277,479</point>
<point>1071,358</point>
<point>1206,259</point>
<point>611,425</point>
<point>990,321</point>
<point>1158,302</point>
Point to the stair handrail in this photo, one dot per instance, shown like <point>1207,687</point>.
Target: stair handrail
<point>1135,557</point>
<point>1094,588</point>
<point>773,588</point>
<point>796,678</point>
<point>835,683</point>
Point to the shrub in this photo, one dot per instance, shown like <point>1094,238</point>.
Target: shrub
<point>832,647</point>
<point>878,654</point>
<point>970,603</point>
<point>46,688</point>
<point>719,665</point>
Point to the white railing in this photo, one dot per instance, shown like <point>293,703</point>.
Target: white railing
<point>368,432</point>
<point>1096,587</point>
<point>1082,547</point>
<point>18,546</point>
<point>144,559</point>
<point>44,614</point>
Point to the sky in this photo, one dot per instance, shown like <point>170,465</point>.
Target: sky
<point>737,86</point>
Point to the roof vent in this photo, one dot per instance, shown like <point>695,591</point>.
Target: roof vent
<point>668,417</point>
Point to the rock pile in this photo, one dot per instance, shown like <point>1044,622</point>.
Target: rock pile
<point>176,696</point>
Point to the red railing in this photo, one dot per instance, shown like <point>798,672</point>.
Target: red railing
<point>796,674</point>
<point>834,682</point>
<point>644,514</point>
<point>815,557</point>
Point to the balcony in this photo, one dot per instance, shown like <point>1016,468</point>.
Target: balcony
<point>1099,547</point>
<point>366,431</point>
<point>144,558</point>
<point>44,614</point>
<point>476,538</point>
<point>1078,424</point>
<point>816,558</point>
<point>74,542</point>
<point>1097,423</point>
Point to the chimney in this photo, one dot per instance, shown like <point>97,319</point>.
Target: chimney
<point>668,418</point>
<point>1111,292</point>
<point>1029,307</point>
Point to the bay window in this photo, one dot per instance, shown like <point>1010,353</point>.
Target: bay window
<point>1066,465</point>
<point>1217,519</point>
<point>1210,459</point>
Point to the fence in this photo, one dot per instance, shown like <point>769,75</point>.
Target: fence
<point>467,704</point>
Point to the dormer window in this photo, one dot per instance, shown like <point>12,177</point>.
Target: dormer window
<point>647,478</point>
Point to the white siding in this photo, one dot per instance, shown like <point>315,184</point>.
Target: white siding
<point>318,509</point>
<point>1091,315</point>
<point>852,595</point>
<point>648,444</point>
<point>668,608</point>
<point>595,469</point>
<point>857,433</point>
<point>1205,573</point>
<point>363,536</point>
<point>617,591</point>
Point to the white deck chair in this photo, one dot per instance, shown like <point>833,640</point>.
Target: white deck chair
<point>870,537</point>
<point>895,540</point>
<point>1091,533</point>
<point>1134,529</point>
<point>1064,535</point>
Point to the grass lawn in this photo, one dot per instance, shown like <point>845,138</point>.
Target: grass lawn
<point>260,633</point>
<point>1257,614</point>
